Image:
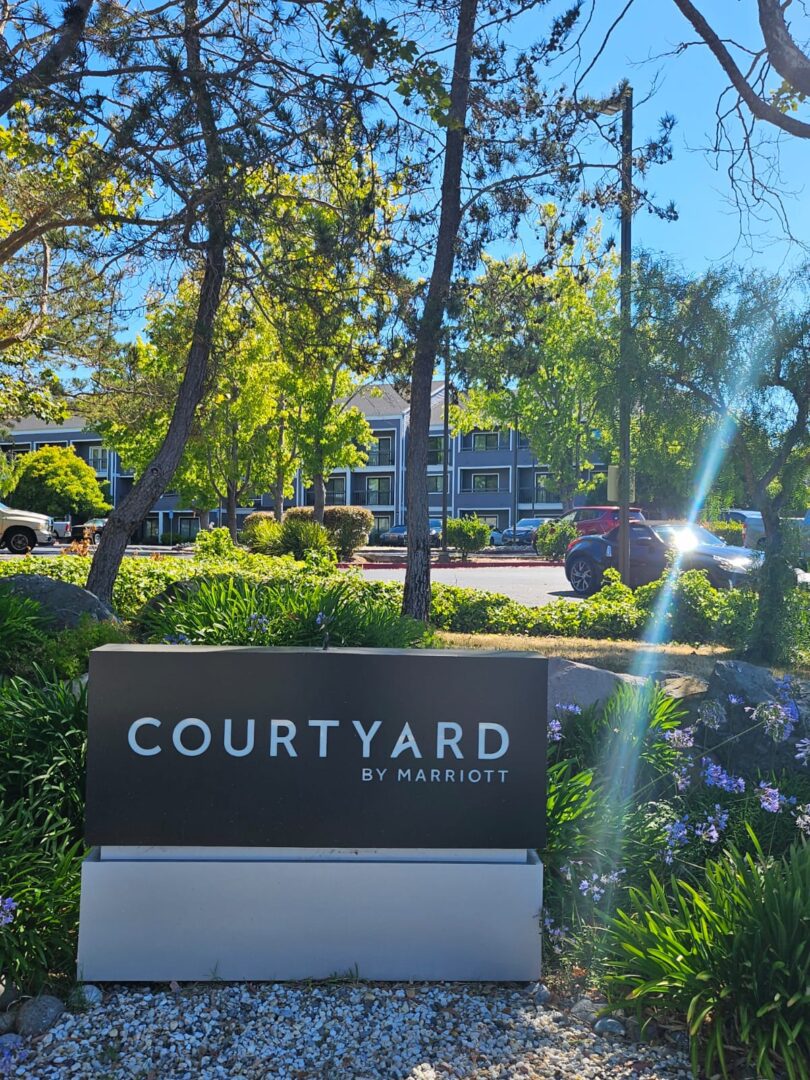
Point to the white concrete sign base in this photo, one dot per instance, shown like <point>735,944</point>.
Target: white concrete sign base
<point>156,919</point>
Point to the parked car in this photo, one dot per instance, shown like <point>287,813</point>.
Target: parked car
<point>21,530</point>
<point>62,529</point>
<point>588,557</point>
<point>398,535</point>
<point>754,528</point>
<point>525,532</point>
<point>596,520</point>
<point>89,530</point>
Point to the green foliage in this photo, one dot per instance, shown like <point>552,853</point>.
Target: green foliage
<point>299,535</point>
<point>732,954</point>
<point>553,538</point>
<point>56,481</point>
<point>22,626</point>
<point>251,521</point>
<point>264,537</point>
<point>214,544</point>
<point>42,742</point>
<point>66,654</point>
<point>234,611</point>
<point>348,526</point>
<point>467,534</point>
<point>730,531</point>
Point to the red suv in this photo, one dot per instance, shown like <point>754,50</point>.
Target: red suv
<point>596,520</point>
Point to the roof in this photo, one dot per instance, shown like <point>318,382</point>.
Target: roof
<point>380,400</point>
<point>35,426</point>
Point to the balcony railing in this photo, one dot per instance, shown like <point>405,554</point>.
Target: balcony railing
<point>333,498</point>
<point>436,457</point>
<point>380,457</point>
<point>373,498</point>
<point>540,495</point>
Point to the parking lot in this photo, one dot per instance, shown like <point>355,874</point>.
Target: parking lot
<point>534,584</point>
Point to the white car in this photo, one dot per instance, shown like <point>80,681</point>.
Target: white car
<point>20,530</point>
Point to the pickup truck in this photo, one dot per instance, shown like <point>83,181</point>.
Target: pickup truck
<point>754,528</point>
<point>20,530</point>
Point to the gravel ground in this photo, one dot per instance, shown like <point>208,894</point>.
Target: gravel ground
<point>342,1031</point>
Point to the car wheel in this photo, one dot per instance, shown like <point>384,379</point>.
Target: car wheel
<point>584,576</point>
<point>95,538</point>
<point>19,541</point>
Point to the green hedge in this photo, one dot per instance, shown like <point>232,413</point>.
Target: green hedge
<point>730,531</point>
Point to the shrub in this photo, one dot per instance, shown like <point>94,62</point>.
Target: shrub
<point>553,538</point>
<point>251,522</point>
<point>22,626</point>
<point>54,480</point>
<point>43,729</point>
<point>467,534</point>
<point>732,953</point>
<point>66,655</point>
<point>264,537</point>
<point>730,531</point>
<point>301,534</point>
<point>349,527</point>
<point>234,611</point>
<point>214,544</point>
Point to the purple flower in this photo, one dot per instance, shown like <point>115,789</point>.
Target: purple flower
<point>803,747</point>
<point>803,818</point>
<point>772,800</point>
<point>712,714</point>
<point>320,618</point>
<point>177,639</point>
<point>7,909</point>
<point>776,719</point>
<point>556,934</point>
<point>716,776</point>
<point>554,731</point>
<point>681,777</point>
<point>677,835</point>
<point>680,738</point>
<point>710,829</point>
<point>735,699</point>
<point>574,710</point>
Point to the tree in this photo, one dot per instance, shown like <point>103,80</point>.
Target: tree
<point>56,481</point>
<point>537,351</point>
<point>740,345</point>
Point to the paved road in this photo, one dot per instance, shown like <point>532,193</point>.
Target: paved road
<point>532,585</point>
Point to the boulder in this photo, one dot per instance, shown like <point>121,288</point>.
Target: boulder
<point>63,604</point>
<point>737,685</point>
<point>37,1015</point>
<point>570,683</point>
<point>8,1021</point>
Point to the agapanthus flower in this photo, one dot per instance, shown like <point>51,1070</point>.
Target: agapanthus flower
<point>712,714</point>
<point>177,639</point>
<point>677,835</point>
<point>775,719</point>
<point>710,829</point>
<point>680,738</point>
<point>682,779</point>
<point>735,699</point>
<point>716,776</point>
<point>803,751</point>
<point>803,818</point>
<point>7,909</point>
<point>772,800</point>
<point>557,934</point>
<point>574,710</point>
<point>554,730</point>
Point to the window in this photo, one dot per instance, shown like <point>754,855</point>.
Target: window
<point>436,450</point>
<point>98,458</point>
<point>484,482</point>
<point>377,492</point>
<point>383,522</point>
<point>493,520</point>
<point>588,515</point>
<point>485,440</point>
<point>435,482</point>
<point>523,441</point>
<point>336,491</point>
<point>381,451</point>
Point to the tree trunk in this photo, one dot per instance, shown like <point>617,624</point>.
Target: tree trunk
<point>278,497</point>
<point>319,493</point>
<point>128,517</point>
<point>416,595</point>
<point>770,638</point>
<point>231,502</point>
<point>205,518</point>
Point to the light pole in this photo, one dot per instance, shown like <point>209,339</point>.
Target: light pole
<point>446,456</point>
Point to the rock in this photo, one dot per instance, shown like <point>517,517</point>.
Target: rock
<point>88,995</point>
<point>540,992</point>
<point>38,1014</point>
<point>570,683</point>
<point>682,687</point>
<point>748,752</point>
<point>10,1043</point>
<point>8,992</point>
<point>608,1025</point>
<point>63,604</point>
<point>8,1021</point>
<point>585,1010</point>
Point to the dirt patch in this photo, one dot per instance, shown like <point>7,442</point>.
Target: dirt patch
<point>623,656</point>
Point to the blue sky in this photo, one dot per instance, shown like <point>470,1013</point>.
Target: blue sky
<point>708,229</point>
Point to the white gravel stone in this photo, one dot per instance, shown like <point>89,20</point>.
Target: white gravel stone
<point>335,1032</point>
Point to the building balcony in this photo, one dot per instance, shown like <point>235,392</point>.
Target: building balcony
<point>373,498</point>
<point>380,459</point>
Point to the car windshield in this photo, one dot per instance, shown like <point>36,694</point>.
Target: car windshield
<point>528,523</point>
<point>4,507</point>
<point>687,537</point>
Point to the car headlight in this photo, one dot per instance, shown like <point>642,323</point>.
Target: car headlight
<point>732,566</point>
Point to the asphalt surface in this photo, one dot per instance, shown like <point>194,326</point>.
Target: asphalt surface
<point>533,585</point>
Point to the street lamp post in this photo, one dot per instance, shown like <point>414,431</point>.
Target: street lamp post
<point>445,457</point>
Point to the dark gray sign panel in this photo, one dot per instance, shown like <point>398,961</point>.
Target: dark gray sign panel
<point>305,748</point>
